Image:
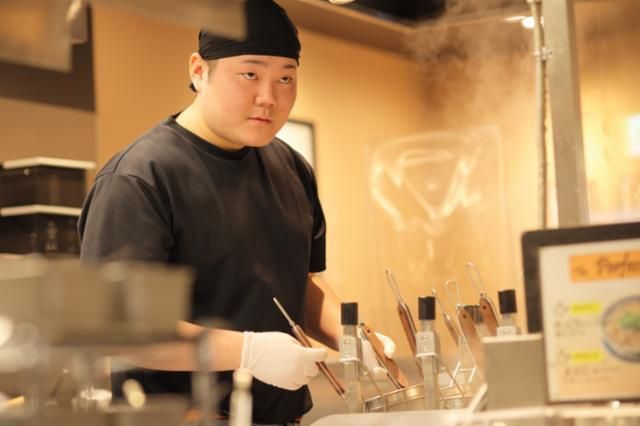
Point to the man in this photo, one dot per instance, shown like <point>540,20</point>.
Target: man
<point>212,189</point>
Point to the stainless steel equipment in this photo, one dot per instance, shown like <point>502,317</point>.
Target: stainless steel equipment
<point>406,399</point>
<point>111,304</point>
<point>428,344</point>
<point>162,412</point>
<point>611,414</point>
<point>85,312</point>
<point>508,310</point>
<point>516,374</point>
<point>351,357</point>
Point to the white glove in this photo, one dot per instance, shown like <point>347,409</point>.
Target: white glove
<point>369,357</point>
<point>280,360</point>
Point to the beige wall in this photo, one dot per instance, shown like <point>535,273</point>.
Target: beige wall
<point>611,97</point>
<point>140,75</point>
<point>32,129</point>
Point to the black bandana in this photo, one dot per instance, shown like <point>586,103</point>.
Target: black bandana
<point>269,32</point>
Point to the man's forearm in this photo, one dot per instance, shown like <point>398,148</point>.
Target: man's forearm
<point>225,347</point>
<point>322,316</point>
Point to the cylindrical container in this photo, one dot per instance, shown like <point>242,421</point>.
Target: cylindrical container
<point>428,351</point>
<point>351,357</point>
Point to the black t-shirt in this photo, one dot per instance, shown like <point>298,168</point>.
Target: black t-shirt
<point>249,223</point>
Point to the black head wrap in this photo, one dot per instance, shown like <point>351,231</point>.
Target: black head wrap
<point>269,32</point>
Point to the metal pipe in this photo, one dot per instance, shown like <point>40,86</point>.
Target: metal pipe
<point>540,54</point>
<point>203,383</point>
<point>566,115</point>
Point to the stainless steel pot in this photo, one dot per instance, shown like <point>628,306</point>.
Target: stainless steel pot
<point>407,399</point>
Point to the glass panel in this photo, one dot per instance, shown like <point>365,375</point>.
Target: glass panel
<point>465,188</point>
<point>608,39</point>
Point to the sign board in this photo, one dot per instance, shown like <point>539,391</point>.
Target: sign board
<point>583,292</point>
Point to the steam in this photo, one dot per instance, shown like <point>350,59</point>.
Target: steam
<point>440,195</point>
<point>471,57</point>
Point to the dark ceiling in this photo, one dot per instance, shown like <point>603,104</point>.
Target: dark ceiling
<point>393,25</point>
<point>405,11</point>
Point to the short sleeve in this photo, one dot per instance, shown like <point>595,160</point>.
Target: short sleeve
<point>124,218</point>
<point>317,260</point>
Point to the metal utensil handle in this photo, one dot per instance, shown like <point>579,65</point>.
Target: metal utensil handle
<point>396,375</point>
<point>409,328</point>
<point>333,380</point>
<point>369,374</point>
<point>304,341</point>
<point>489,315</point>
<point>473,339</point>
<point>487,308</point>
<point>451,327</point>
<point>474,276</point>
<point>408,325</point>
<point>301,336</point>
<point>454,301</point>
<point>391,279</point>
<point>453,331</point>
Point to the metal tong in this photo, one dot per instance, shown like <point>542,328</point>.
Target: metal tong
<point>453,330</point>
<point>304,341</point>
<point>487,308</point>
<point>467,326</point>
<point>396,376</point>
<point>408,325</point>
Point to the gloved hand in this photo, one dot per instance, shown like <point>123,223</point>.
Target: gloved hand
<point>280,360</point>
<point>369,357</point>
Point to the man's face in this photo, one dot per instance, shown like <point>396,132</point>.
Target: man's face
<point>247,99</point>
